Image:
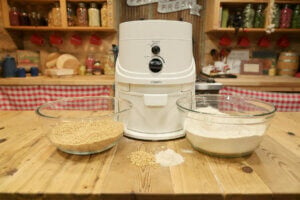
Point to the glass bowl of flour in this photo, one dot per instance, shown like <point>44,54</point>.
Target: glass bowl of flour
<point>84,125</point>
<point>225,125</point>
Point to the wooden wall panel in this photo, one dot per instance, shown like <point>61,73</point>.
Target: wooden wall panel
<point>6,42</point>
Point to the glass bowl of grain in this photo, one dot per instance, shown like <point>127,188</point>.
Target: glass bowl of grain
<point>225,125</point>
<point>84,125</point>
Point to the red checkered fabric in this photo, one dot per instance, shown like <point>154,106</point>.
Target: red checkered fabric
<point>284,102</point>
<point>30,97</point>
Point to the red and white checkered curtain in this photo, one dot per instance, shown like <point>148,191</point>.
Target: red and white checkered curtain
<point>284,102</point>
<point>30,97</point>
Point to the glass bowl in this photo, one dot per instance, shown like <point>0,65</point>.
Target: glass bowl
<point>224,125</point>
<point>84,125</point>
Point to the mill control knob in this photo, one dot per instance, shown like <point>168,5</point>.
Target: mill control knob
<point>155,65</point>
<point>155,49</point>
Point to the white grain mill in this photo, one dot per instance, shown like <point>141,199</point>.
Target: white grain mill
<point>155,67</point>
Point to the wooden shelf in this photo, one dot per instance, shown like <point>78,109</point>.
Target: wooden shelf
<point>87,1</point>
<point>244,1</point>
<point>74,80</point>
<point>72,28</point>
<point>241,30</point>
<point>263,83</point>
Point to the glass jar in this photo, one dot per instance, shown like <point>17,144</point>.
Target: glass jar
<point>276,16</point>
<point>104,17</point>
<point>82,17</point>
<point>34,19</point>
<point>286,16</point>
<point>259,19</point>
<point>70,15</point>
<point>56,15</point>
<point>14,17</point>
<point>109,65</point>
<point>94,17</point>
<point>296,17</point>
<point>89,63</point>
<point>248,16</point>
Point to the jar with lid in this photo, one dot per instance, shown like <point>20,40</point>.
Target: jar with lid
<point>286,16</point>
<point>94,17</point>
<point>296,17</point>
<point>82,17</point>
<point>56,15</point>
<point>89,63</point>
<point>70,15</point>
<point>248,15</point>
<point>14,17</point>
<point>104,17</point>
<point>259,19</point>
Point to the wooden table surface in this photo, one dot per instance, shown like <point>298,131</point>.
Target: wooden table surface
<point>31,168</point>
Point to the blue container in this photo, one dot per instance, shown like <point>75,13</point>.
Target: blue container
<point>9,67</point>
<point>21,72</point>
<point>34,71</point>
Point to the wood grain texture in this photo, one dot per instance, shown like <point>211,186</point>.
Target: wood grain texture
<point>32,168</point>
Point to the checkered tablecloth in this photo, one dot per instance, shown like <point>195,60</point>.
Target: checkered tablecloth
<point>30,97</point>
<point>284,102</point>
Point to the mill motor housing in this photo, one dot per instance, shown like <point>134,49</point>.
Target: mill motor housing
<point>155,67</point>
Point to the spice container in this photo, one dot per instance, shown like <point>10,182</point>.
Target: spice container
<point>286,16</point>
<point>56,15</point>
<point>248,16</point>
<point>14,17</point>
<point>94,16</point>
<point>104,17</point>
<point>259,19</point>
<point>82,17</point>
<point>296,17</point>
<point>70,15</point>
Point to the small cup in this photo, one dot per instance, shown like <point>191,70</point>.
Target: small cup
<point>21,72</point>
<point>34,71</point>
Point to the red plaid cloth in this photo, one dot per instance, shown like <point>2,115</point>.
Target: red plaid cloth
<point>284,102</point>
<point>30,97</point>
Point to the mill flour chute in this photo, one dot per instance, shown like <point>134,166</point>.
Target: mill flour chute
<point>155,67</point>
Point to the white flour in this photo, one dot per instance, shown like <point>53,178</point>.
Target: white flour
<point>168,158</point>
<point>221,135</point>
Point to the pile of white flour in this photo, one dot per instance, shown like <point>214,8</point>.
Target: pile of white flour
<point>223,135</point>
<point>168,158</point>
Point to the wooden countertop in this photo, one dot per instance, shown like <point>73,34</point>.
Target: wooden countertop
<point>31,168</point>
<point>263,83</point>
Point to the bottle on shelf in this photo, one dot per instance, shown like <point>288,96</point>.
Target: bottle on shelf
<point>248,14</point>
<point>24,19</point>
<point>34,19</point>
<point>56,15</point>
<point>70,15</point>
<point>286,16</point>
<point>225,16</point>
<point>104,17</point>
<point>296,17</point>
<point>276,15</point>
<point>94,15</point>
<point>82,17</point>
<point>259,19</point>
<point>14,16</point>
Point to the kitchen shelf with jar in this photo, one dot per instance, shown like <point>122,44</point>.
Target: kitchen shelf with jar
<point>215,8</point>
<point>63,12</point>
